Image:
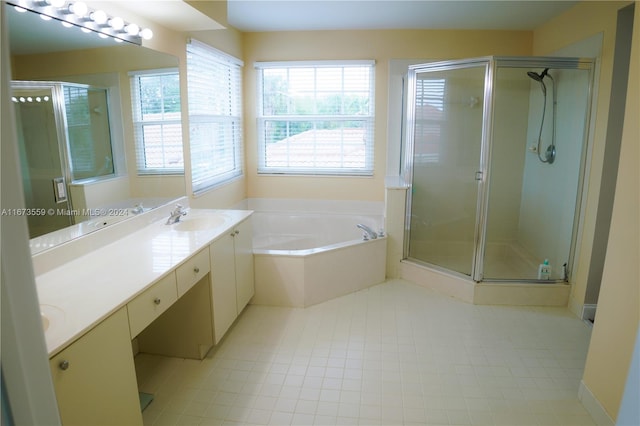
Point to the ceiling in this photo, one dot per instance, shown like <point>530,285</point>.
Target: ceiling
<point>298,15</point>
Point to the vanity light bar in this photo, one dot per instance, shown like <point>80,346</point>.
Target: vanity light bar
<point>78,14</point>
<point>22,99</point>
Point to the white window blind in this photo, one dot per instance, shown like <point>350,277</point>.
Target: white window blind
<point>155,98</point>
<point>429,115</point>
<point>316,117</point>
<point>215,116</point>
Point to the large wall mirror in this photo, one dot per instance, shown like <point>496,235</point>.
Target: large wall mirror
<point>98,124</point>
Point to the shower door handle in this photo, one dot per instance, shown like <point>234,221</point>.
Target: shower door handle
<point>479,175</point>
<point>59,190</point>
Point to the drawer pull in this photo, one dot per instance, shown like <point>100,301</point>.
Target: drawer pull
<point>157,300</point>
<point>196,269</point>
<point>237,232</point>
<point>64,365</point>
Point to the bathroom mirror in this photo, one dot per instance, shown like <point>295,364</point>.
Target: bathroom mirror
<point>90,112</point>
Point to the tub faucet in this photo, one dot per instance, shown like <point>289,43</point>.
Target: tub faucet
<point>176,214</point>
<point>369,233</point>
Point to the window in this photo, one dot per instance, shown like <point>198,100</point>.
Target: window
<point>316,117</point>
<point>87,115</point>
<point>215,116</point>
<point>155,98</point>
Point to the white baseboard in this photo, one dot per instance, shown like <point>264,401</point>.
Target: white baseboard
<point>593,406</point>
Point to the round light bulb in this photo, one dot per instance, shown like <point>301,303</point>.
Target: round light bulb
<point>38,99</point>
<point>146,34</point>
<point>20,9</point>
<point>102,35</point>
<point>45,17</point>
<point>85,30</point>
<point>79,9</point>
<point>14,99</point>
<point>116,23</point>
<point>22,99</point>
<point>99,17</point>
<point>67,24</point>
<point>117,40</point>
<point>132,29</point>
<point>46,99</point>
<point>29,99</point>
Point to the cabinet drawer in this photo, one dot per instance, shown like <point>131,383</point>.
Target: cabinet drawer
<point>150,304</point>
<point>192,271</point>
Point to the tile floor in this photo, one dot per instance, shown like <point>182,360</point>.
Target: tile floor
<point>393,354</point>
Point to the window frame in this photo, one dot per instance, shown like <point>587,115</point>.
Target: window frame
<point>261,119</point>
<point>138,123</point>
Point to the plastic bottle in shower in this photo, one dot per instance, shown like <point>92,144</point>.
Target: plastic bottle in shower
<point>544,270</point>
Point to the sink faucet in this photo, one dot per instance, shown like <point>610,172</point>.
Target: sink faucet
<point>137,209</point>
<point>369,233</point>
<point>176,214</point>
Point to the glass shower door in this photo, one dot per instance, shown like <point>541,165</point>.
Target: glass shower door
<point>445,135</point>
<point>43,174</point>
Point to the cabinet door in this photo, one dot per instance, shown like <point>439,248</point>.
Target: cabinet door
<point>245,288</point>
<point>95,378</point>
<point>223,285</point>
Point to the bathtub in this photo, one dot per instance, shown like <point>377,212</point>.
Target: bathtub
<point>304,258</point>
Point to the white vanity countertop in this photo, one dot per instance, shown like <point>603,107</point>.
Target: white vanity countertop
<point>81,293</point>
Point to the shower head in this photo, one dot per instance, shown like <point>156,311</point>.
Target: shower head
<point>539,78</point>
<point>534,75</point>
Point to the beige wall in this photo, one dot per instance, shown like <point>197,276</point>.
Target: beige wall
<point>378,45</point>
<point>618,313</point>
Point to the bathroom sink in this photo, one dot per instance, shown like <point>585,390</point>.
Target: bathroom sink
<point>52,317</point>
<point>197,223</point>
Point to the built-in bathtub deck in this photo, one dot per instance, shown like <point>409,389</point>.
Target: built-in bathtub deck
<point>304,258</point>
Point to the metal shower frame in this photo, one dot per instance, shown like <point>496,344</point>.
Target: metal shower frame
<point>490,64</point>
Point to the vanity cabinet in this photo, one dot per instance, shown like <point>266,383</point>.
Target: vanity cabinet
<point>232,281</point>
<point>180,311</point>
<point>95,378</point>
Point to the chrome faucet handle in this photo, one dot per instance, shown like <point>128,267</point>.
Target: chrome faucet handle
<point>174,216</point>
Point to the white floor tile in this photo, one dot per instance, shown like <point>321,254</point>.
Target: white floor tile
<point>395,353</point>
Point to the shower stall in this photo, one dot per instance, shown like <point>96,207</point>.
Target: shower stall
<point>494,155</point>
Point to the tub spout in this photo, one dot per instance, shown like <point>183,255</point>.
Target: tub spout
<point>369,233</point>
